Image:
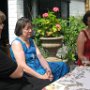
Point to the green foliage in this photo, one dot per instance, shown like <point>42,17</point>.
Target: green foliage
<point>71,29</point>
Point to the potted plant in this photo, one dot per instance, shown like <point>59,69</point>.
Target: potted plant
<point>69,28</point>
<point>47,25</point>
<point>48,28</point>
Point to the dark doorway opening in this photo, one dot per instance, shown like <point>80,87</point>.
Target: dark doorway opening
<point>28,9</point>
<point>3,7</point>
<point>45,5</point>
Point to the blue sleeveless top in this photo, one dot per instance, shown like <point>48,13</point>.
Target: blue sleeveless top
<point>30,55</point>
<point>58,69</point>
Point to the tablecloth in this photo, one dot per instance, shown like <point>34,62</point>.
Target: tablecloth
<point>78,79</point>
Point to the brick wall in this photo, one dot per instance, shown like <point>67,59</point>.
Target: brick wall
<point>77,7</point>
<point>15,11</point>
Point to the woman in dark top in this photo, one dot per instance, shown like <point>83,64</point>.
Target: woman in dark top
<point>83,42</point>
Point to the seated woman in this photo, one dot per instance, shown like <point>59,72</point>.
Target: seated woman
<point>83,42</point>
<point>27,55</point>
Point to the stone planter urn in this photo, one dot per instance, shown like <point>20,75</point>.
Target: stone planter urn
<point>51,45</point>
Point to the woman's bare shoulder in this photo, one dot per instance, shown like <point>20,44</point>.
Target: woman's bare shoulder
<point>16,43</point>
<point>81,36</point>
<point>82,33</point>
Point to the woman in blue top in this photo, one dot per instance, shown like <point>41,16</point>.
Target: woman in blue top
<point>26,54</point>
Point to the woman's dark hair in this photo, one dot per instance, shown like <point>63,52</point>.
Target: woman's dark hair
<point>85,17</point>
<point>21,23</point>
<point>2,17</point>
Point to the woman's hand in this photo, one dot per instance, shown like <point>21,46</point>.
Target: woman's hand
<point>49,73</point>
<point>45,76</point>
<point>86,61</point>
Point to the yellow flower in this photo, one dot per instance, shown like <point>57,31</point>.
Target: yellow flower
<point>49,33</point>
<point>39,31</point>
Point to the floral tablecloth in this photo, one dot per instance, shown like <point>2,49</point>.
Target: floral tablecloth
<point>78,79</point>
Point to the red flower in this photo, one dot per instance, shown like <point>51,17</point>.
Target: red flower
<point>58,27</point>
<point>45,15</point>
<point>55,9</point>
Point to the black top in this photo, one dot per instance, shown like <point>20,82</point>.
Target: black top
<point>7,66</point>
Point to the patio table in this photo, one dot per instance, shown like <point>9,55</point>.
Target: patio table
<point>78,79</point>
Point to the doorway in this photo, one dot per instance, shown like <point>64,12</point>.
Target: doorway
<point>28,9</point>
<point>45,5</point>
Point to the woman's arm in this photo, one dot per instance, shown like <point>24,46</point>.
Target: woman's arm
<point>20,59</point>
<point>80,45</point>
<point>42,59</point>
<point>44,64</point>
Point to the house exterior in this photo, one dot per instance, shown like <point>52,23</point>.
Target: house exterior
<point>77,7</point>
<point>31,8</point>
